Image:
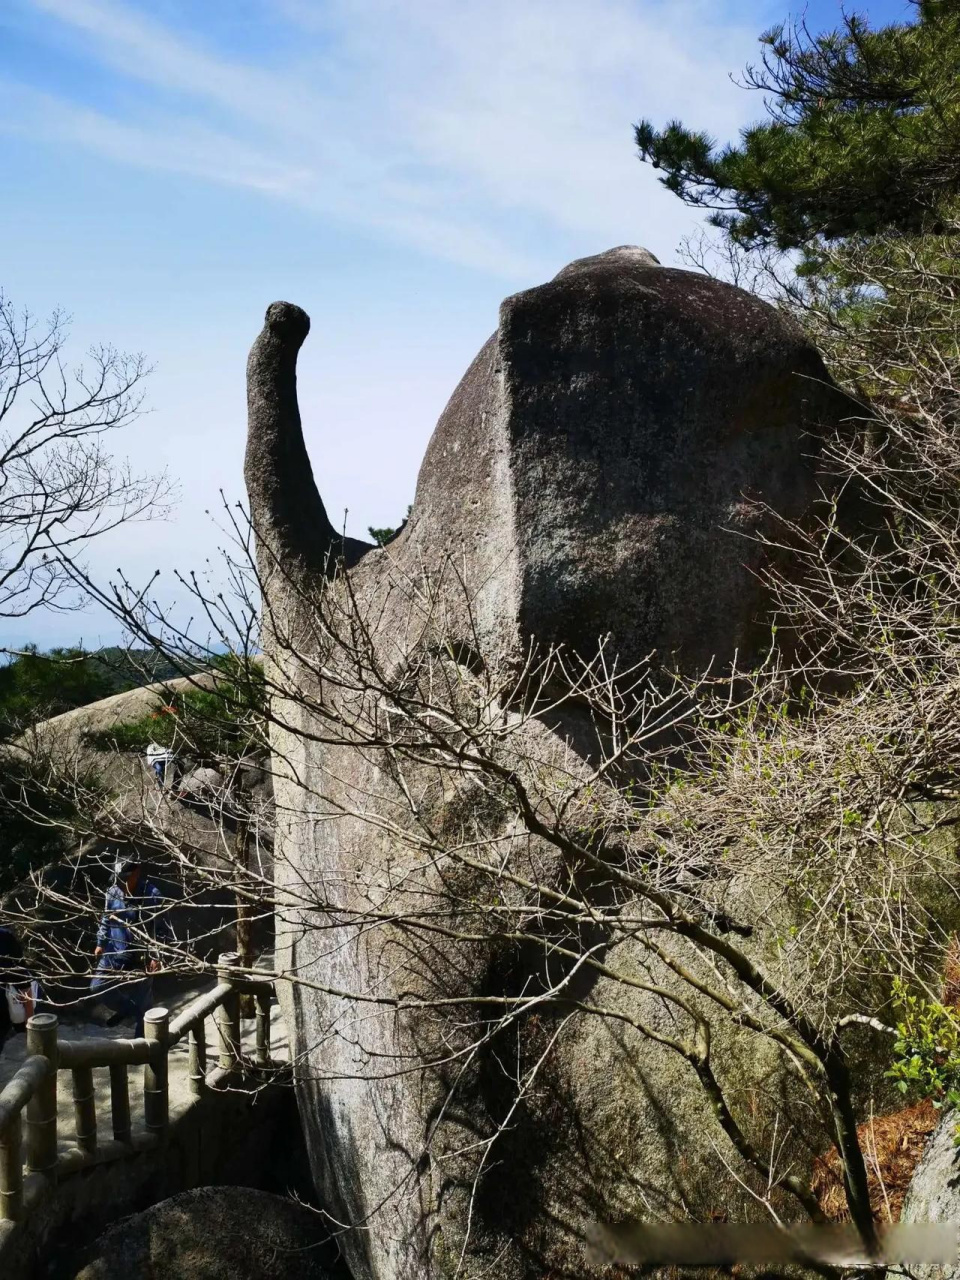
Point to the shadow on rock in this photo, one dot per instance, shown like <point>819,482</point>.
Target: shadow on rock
<point>216,1233</point>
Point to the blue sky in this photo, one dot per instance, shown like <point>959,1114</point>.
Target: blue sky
<point>396,167</point>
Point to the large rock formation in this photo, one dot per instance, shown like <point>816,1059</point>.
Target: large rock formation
<point>934,1193</point>
<point>214,1233</point>
<point>191,823</point>
<point>600,470</point>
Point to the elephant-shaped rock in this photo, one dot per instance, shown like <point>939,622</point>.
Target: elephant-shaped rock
<point>603,474</point>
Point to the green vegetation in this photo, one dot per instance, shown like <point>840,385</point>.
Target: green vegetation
<point>927,1051</point>
<point>35,813</point>
<point>382,536</point>
<point>204,724</point>
<point>35,810</point>
<point>35,686</point>
<point>862,136</point>
<point>858,168</point>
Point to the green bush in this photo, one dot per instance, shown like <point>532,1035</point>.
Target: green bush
<point>206,724</point>
<point>927,1049</point>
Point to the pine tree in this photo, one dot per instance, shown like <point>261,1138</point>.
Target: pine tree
<point>863,136</point>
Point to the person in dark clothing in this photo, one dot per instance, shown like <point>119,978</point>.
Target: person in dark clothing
<point>133,919</point>
<point>12,974</point>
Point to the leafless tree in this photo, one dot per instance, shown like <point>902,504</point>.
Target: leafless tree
<point>728,884</point>
<point>60,487</point>
<point>763,850</point>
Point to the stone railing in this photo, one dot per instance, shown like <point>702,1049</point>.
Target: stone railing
<point>31,1162</point>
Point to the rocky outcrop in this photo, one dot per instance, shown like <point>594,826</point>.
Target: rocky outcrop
<point>602,469</point>
<point>65,741</point>
<point>214,1233</point>
<point>934,1193</point>
<point>65,734</point>
<point>191,822</point>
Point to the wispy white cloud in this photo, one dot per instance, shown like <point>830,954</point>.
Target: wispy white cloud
<point>184,145</point>
<point>473,131</point>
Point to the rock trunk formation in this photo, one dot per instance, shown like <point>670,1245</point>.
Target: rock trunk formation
<point>600,471</point>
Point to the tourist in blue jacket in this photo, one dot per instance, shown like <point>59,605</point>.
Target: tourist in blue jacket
<point>133,923</point>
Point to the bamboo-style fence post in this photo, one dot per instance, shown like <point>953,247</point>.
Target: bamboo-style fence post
<point>11,1171</point>
<point>85,1109</point>
<point>156,1101</point>
<point>120,1102</point>
<point>228,1015</point>
<point>28,1105</point>
<point>197,1044</point>
<point>42,1107</point>
<point>244,909</point>
<point>263,1028</point>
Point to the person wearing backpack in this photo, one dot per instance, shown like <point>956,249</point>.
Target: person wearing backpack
<point>133,924</point>
<point>162,762</point>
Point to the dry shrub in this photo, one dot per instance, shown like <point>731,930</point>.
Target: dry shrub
<point>892,1146</point>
